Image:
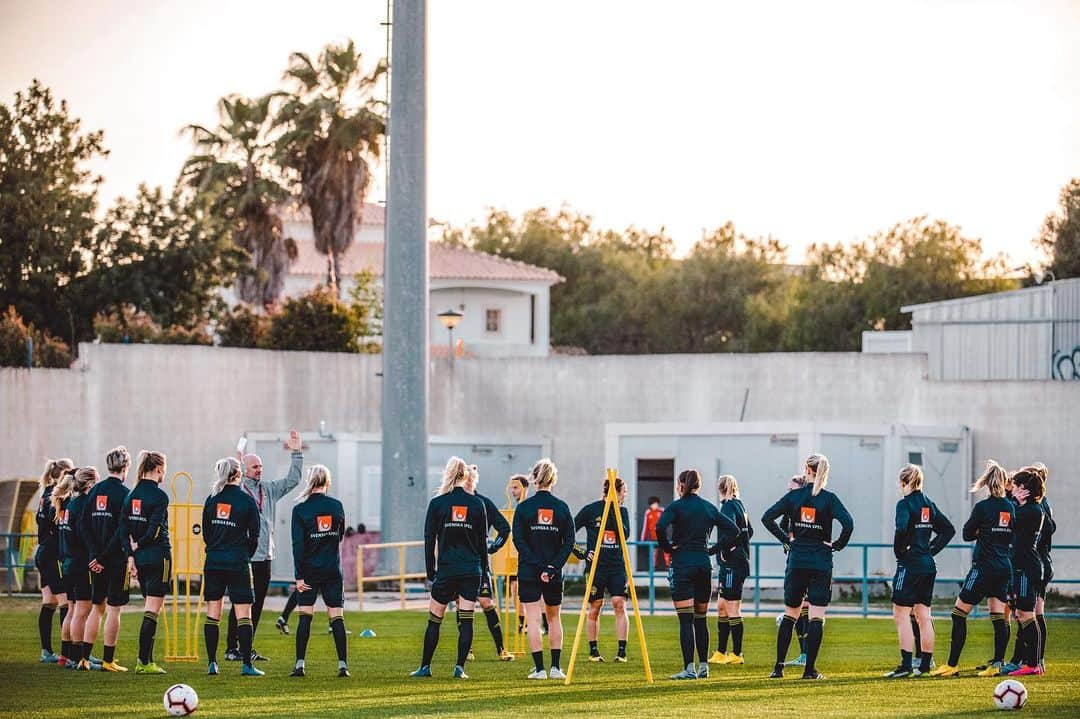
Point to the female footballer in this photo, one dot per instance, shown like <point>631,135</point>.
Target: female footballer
<point>145,522</point>
<point>922,531</point>
<point>1045,547</point>
<point>811,511</point>
<point>990,526</point>
<point>47,560</point>
<point>683,532</point>
<point>1029,488</point>
<point>734,568</point>
<point>610,570</point>
<point>69,505</point>
<point>518,490</point>
<point>485,596</point>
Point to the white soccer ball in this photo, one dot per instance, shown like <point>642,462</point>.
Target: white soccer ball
<point>1010,694</point>
<point>180,700</point>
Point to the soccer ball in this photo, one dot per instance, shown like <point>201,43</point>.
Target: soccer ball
<point>180,700</point>
<point>1010,694</point>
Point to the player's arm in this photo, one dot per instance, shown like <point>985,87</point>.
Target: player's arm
<point>207,517</point>
<point>253,528</point>
<point>566,534</point>
<point>662,526</point>
<point>769,521</point>
<point>297,540</point>
<point>900,536</point>
<point>118,542</point>
<point>971,526</point>
<point>847,524</point>
<point>944,531</point>
<point>498,522</point>
<point>155,527</point>
<point>727,531</point>
<point>431,530</point>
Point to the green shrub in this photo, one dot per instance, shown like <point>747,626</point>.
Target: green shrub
<point>243,328</point>
<point>48,351</point>
<point>317,321</point>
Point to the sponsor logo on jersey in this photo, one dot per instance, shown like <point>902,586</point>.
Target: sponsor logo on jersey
<point>1003,519</point>
<point>807,514</point>
<point>102,503</point>
<point>609,537</point>
<point>63,516</point>
<point>136,506</point>
<point>459,513</point>
<point>324,522</point>
<point>223,511</point>
<point>925,514</point>
<point>545,516</point>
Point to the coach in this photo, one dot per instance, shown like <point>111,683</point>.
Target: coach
<point>266,495</point>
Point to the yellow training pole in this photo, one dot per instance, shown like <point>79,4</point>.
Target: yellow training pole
<point>630,575</point>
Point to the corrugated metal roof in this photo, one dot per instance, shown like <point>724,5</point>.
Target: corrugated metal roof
<point>1027,303</point>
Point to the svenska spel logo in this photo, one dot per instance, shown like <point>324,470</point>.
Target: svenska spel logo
<point>102,503</point>
<point>223,511</point>
<point>63,516</point>
<point>925,514</point>
<point>609,537</point>
<point>1003,519</point>
<point>136,507</point>
<point>545,516</point>
<point>458,513</point>
<point>807,514</point>
<point>324,522</point>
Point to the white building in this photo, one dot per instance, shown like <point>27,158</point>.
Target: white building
<point>506,304</point>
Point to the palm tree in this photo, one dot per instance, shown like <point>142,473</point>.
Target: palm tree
<point>233,171</point>
<point>331,125</point>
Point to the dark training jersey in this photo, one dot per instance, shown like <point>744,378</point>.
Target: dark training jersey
<point>737,556</point>
<point>810,518</point>
<point>496,521</point>
<point>610,549</point>
<point>691,520</point>
<point>47,536</point>
<point>318,524</point>
<point>543,532</point>
<point>230,529</point>
<point>457,523</point>
<point>1046,539</point>
<point>1030,518</point>
<point>990,526</point>
<point>145,520</point>
<point>100,528</point>
<point>68,521</point>
<point>917,520</point>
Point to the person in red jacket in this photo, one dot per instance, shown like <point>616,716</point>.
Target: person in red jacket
<point>648,531</point>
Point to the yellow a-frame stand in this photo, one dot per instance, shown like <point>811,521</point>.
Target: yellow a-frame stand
<point>611,504</point>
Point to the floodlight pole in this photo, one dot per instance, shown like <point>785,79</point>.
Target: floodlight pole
<point>405,282</point>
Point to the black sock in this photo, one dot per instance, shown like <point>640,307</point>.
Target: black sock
<point>538,660</point>
<point>45,617</point>
<point>1040,619</point>
<point>230,632</point>
<point>813,644</point>
<point>211,633</point>
<point>736,625</point>
<point>905,659</point>
<point>337,627</point>
<point>556,658</point>
<point>465,634</point>
<point>1018,648</point>
<point>783,638</point>
<point>918,636</point>
<point>244,635</point>
<point>686,633</point>
<point>622,647</point>
<point>63,614</point>
<point>1001,635</point>
<point>594,649</point>
<point>924,661</point>
<point>303,634</point>
<point>431,638</point>
<point>290,605</point>
<point>723,629</point>
<point>959,635</point>
<point>492,616</point>
<point>87,650</point>
<point>701,636</point>
<point>76,651</point>
<point>110,653</point>
<point>65,648</point>
<point>1030,629</point>
<point>801,628</point>
<point>146,637</point>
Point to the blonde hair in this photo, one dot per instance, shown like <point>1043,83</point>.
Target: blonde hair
<point>993,479</point>
<point>727,484</point>
<point>454,475</point>
<point>819,465</point>
<point>227,469</point>
<point>54,469</point>
<point>912,475</point>
<point>318,477</point>
<point>148,462</point>
<point>118,459</point>
<point>74,481</point>
<point>545,474</point>
<point>1040,469</point>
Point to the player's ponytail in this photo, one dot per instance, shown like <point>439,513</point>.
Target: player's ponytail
<point>727,486</point>
<point>318,478</point>
<point>54,470</point>
<point>454,475</point>
<point>545,474</point>
<point>818,465</point>
<point>226,471</point>
<point>63,489</point>
<point>148,462</point>
<point>689,482</point>
<point>911,475</point>
<point>992,479</point>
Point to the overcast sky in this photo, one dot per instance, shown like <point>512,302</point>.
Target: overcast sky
<point>814,122</point>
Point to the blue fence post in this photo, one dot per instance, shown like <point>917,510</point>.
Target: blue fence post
<point>652,580</point>
<point>757,580</point>
<point>865,581</point>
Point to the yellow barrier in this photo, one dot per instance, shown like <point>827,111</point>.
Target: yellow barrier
<point>188,556</point>
<point>402,576</point>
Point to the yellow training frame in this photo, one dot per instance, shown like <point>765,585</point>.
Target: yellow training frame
<point>188,552</point>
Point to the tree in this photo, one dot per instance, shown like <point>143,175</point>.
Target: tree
<point>331,129</point>
<point>15,344</point>
<point>317,321</point>
<point>48,198</point>
<point>232,169</point>
<point>1060,235</point>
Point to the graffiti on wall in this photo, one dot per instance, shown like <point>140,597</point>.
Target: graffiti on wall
<point>1066,365</point>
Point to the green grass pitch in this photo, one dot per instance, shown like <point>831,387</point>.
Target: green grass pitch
<point>855,653</point>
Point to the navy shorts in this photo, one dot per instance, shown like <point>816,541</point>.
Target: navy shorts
<point>76,578</point>
<point>1025,590</point>
<point>982,583</point>
<point>531,589</point>
<point>813,584</point>
<point>692,583</point>
<point>910,588</point>
<point>446,589</point>
<point>48,567</point>
<point>155,578</point>
<point>611,580</point>
<point>237,582</point>
<point>111,584</point>
<point>731,583</point>
<point>332,591</point>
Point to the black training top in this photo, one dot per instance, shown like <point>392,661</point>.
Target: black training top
<point>146,521</point>
<point>990,526</point>
<point>456,522</point>
<point>543,532</point>
<point>71,544</point>
<point>917,518</point>
<point>610,550</point>
<point>318,524</point>
<point>1030,518</point>
<point>100,528</point>
<point>1046,539</point>
<point>810,518</point>
<point>737,556</point>
<point>47,537</point>
<point>691,520</point>
<point>230,529</point>
<point>496,521</point>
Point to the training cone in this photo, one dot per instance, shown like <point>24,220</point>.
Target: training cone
<point>367,633</point>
